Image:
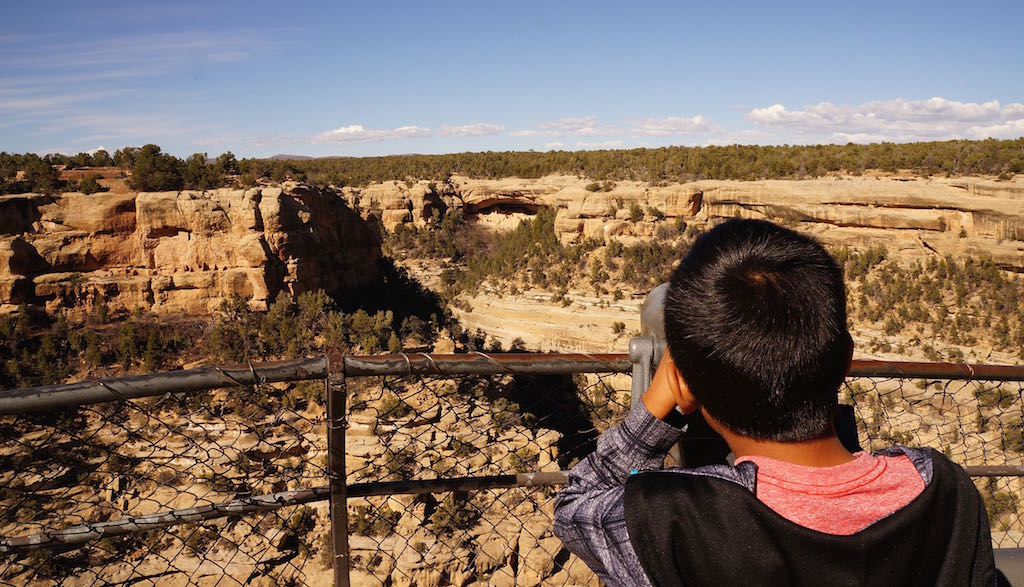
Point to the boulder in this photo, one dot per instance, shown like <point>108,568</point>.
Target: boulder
<point>494,550</point>
<point>503,577</point>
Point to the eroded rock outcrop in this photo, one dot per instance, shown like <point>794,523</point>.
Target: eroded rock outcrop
<point>180,251</point>
<point>947,216</point>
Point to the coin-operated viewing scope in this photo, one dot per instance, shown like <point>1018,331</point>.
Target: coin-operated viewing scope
<point>700,444</point>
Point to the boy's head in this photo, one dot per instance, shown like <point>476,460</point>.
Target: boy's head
<point>755,319</point>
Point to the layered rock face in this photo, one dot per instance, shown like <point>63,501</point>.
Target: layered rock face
<point>914,218</point>
<point>180,252</point>
<point>948,216</point>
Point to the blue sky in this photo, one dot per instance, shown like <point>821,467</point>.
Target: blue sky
<point>370,78</point>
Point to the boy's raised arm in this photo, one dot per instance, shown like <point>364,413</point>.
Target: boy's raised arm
<point>589,513</point>
<point>665,392</point>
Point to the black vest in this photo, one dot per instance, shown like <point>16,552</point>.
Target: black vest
<point>692,529</point>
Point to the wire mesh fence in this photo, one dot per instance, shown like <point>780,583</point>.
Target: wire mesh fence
<point>88,467</point>
<point>441,467</point>
<point>470,427</point>
<point>975,423</point>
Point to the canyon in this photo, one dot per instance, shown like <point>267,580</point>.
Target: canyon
<point>916,216</point>
<point>184,253</point>
<point>913,218</point>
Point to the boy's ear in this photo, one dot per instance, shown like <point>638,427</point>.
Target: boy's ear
<point>684,399</point>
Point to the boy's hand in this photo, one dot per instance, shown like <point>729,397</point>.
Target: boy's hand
<point>667,391</point>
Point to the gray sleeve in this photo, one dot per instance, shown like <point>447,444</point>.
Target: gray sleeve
<point>589,514</point>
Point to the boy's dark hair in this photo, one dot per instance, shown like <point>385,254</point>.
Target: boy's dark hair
<point>755,318</point>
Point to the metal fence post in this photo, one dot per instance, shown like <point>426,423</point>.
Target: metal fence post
<point>336,424</point>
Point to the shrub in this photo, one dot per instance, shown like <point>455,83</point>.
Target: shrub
<point>1013,436</point>
<point>127,348</point>
<point>303,519</point>
<point>456,512</point>
<point>393,406</point>
<point>376,522</point>
<point>461,448</point>
<point>197,538</point>
<point>89,185</point>
<point>990,397</point>
<point>153,171</point>
<point>400,463</point>
<point>523,460</point>
<point>999,504</point>
<point>326,546</point>
<point>394,344</point>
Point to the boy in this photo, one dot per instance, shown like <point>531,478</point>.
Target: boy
<point>755,319</point>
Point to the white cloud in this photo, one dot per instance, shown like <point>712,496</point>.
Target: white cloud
<point>153,52</point>
<point>582,126</point>
<point>672,125</point>
<point>1010,129</point>
<point>23,100</point>
<point>1014,111</point>
<point>357,133</point>
<point>555,146</point>
<point>895,120</point>
<point>747,136</point>
<point>528,133</point>
<point>589,126</point>
<point>599,144</point>
<point>477,129</point>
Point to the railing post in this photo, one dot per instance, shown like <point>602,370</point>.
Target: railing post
<point>336,424</point>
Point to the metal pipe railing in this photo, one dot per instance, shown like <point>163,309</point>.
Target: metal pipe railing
<point>34,399</point>
<point>922,370</point>
<point>81,534</point>
<point>47,397</point>
<point>477,363</point>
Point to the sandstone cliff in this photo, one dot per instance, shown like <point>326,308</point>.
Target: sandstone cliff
<point>947,216</point>
<point>185,252</point>
<point>914,218</point>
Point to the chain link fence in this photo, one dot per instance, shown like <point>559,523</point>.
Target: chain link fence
<point>451,466</point>
<point>470,427</point>
<point>138,487</point>
<point>975,423</point>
